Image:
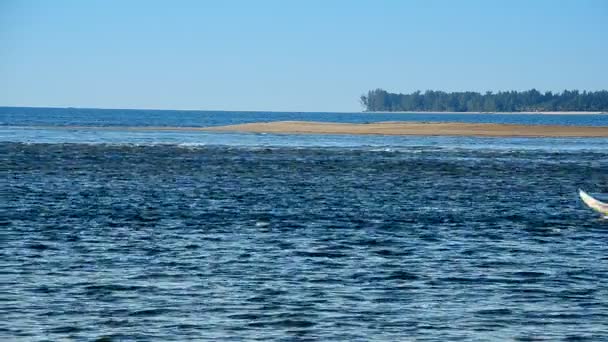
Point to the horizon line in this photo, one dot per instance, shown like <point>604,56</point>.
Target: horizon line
<point>299,111</point>
<point>182,110</point>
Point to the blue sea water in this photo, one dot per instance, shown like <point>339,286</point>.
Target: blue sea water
<point>26,116</point>
<point>123,235</point>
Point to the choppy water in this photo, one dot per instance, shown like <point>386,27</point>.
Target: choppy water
<point>348,242</point>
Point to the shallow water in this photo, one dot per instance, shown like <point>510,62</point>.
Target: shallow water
<point>263,140</point>
<point>25,116</point>
<point>331,242</point>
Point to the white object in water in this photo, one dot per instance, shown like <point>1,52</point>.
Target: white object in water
<point>594,204</point>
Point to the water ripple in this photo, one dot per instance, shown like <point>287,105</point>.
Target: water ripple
<point>123,242</point>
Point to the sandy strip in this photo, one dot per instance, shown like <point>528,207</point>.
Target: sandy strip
<point>417,128</point>
<point>378,128</point>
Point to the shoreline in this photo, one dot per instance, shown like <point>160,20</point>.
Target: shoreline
<point>417,129</point>
<point>492,113</point>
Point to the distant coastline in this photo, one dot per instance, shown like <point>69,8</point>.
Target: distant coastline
<point>529,101</point>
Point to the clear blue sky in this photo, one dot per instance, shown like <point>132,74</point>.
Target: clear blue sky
<point>308,55</point>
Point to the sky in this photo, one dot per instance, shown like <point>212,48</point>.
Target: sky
<point>308,55</point>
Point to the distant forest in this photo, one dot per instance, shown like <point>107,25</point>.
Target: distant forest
<point>504,101</point>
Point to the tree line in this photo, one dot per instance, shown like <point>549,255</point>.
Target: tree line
<point>504,101</point>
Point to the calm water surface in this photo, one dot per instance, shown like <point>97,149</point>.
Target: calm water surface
<point>128,236</point>
<point>24,116</point>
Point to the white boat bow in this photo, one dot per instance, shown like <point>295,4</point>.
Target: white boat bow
<point>594,204</point>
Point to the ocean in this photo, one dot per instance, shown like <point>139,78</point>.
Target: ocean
<point>116,235</point>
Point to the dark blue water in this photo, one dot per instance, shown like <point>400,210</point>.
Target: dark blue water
<point>117,235</point>
<point>166,242</point>
<point>22,116</point>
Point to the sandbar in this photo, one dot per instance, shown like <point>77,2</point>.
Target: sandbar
<point>417,128</point>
